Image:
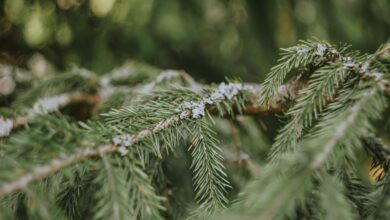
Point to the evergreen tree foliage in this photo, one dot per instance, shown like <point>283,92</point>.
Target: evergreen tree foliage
<point>141,143</point>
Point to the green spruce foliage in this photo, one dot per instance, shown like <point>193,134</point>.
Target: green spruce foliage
<point>140,143</point>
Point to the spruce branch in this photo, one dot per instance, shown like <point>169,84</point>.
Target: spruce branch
<point>54,103</point>
<point>321,90</point>
<point>210,178</point>
<point>306,53</point>
<point>88,152</point>
<point>121,143</point>
<point>293,172</point>
<point>322,86</point>
<point>121,156</point>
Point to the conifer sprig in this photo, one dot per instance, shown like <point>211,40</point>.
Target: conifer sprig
<point>300,56</point>
<point>286,189</point>
<point>210,178</point>
<point>321,89</point>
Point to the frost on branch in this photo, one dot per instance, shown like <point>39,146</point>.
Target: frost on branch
<point>122,141</point>
<point>224,91</point>
<point>197,109</point>
<point>5,126</point>
<point>321,48</point>
<point>50,104</point>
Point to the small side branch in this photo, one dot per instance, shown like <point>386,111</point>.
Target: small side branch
<point>53,166</point>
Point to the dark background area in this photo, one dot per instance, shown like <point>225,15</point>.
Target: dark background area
<point>210,39</point>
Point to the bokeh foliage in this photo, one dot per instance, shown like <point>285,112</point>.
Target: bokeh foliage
<point>210,39</point>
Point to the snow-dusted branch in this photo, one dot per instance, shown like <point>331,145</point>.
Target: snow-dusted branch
<point>44,106</point>
<point>54,103</point>
<point>122,142</point>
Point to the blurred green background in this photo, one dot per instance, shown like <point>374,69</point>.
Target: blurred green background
<point>210,39</point>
